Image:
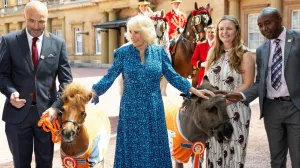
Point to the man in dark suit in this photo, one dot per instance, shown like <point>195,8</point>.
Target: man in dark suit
<point>278,87</point>
<point>30,61</point>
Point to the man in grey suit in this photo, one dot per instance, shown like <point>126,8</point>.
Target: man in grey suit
<point>278,87</point>
<point>30,61</point>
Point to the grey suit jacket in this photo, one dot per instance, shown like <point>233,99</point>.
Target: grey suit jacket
<point>17,73</point>
<point>291,70</point>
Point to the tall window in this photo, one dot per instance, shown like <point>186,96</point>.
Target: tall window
<point>98,41</point>
<point>78,41</point>
<point>5,2</point>
<point>296,20</point>
<point>19,2</point>
<point>255,38</point>
<point>58,33</point>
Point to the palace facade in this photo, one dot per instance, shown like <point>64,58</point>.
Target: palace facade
<point>93,29</point>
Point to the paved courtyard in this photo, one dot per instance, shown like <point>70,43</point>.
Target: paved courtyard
<point>257,152</point>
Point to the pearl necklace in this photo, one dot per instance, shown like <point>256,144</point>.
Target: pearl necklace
<point>228,50</point>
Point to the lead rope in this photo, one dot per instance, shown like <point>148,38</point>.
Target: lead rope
<point>53,127</point>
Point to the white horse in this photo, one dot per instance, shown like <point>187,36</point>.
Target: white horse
<point>162,28</point>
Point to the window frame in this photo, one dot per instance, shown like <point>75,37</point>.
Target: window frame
<point>298,19</point>
<point>254,31</point>
<point>98,41</point>
<point>77,34</point>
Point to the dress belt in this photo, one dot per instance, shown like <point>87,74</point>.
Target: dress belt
<point>285,98</point>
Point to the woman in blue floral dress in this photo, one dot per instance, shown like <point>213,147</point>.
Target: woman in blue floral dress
<point>142,139</point>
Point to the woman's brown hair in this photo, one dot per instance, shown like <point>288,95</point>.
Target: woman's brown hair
<point>236,52</point>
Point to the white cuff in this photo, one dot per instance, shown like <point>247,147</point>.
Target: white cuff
<point>244,97</point>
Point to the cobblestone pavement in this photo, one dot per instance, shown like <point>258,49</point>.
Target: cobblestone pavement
<point>257,152</point>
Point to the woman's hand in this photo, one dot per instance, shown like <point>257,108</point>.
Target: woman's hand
<point>95,100</point>
<point>202,93</point>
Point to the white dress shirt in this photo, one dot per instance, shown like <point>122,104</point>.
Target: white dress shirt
<point>38,42</point>
<point>282,90</point>
<point>210,42</point>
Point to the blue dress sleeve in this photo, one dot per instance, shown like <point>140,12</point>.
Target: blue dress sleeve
<point>105,83</point>
<point>174,78</point>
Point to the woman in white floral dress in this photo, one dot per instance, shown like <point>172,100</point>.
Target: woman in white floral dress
<point>230,67</point>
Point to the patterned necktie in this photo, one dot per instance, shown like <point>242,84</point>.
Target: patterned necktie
<point>276,68</point>
<point>35,60</point>
<point>34,53</point>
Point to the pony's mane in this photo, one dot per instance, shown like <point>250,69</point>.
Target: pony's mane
<point>76,94</point>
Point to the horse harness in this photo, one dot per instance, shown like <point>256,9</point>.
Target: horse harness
<point>199,16</point>
<point>78,124</point>
<point>163,28</point>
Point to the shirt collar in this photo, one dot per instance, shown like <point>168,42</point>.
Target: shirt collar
<point>281,36</point>
<point>30,37</point>
<point>210,41</point>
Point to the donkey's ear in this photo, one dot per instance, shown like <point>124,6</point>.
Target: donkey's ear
<point>208,6</point>
<point>182,95</point>
<point>205,78</point>
<point>162,13</point>
<point>196,6</point>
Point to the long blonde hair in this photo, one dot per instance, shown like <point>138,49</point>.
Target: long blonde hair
<point>237,51</point>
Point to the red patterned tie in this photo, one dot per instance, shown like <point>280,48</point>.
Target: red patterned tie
<point>35,60</point>
<point>35,54</point>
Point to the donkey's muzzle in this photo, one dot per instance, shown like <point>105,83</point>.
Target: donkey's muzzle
<point>224,131</point>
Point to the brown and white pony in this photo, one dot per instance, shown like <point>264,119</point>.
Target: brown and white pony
<point>85,130</point>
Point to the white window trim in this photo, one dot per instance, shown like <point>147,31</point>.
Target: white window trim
<point>298,11</point>
<point>58,33</point>
<point>96,33</point>
<point>5,3</point>
<point>78,30</point>
<point>249,32</point>
<point>20,2</point>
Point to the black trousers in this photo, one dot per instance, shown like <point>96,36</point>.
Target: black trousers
<point>24,137</point>
<point>282,124</point>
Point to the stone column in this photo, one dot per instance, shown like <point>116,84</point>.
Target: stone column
<point>19,25</point>
<point>234,8</point>
<point>277,4</point>
<point>113,37</point>
<point>25,1</point>
<point>63,27</point>
<point>1,4</point>
<point>104,41</point>
<point>49,25</point>
<point>12,3</point>
<point>122,36</point>
<point>5,28</point>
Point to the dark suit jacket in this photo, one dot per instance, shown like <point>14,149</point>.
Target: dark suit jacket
<point>17,74</point>
<point>291,70</point>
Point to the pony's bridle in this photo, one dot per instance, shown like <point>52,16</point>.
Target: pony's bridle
<point>163,28</point>
<point>78,124</point>
<point>199,16</point>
